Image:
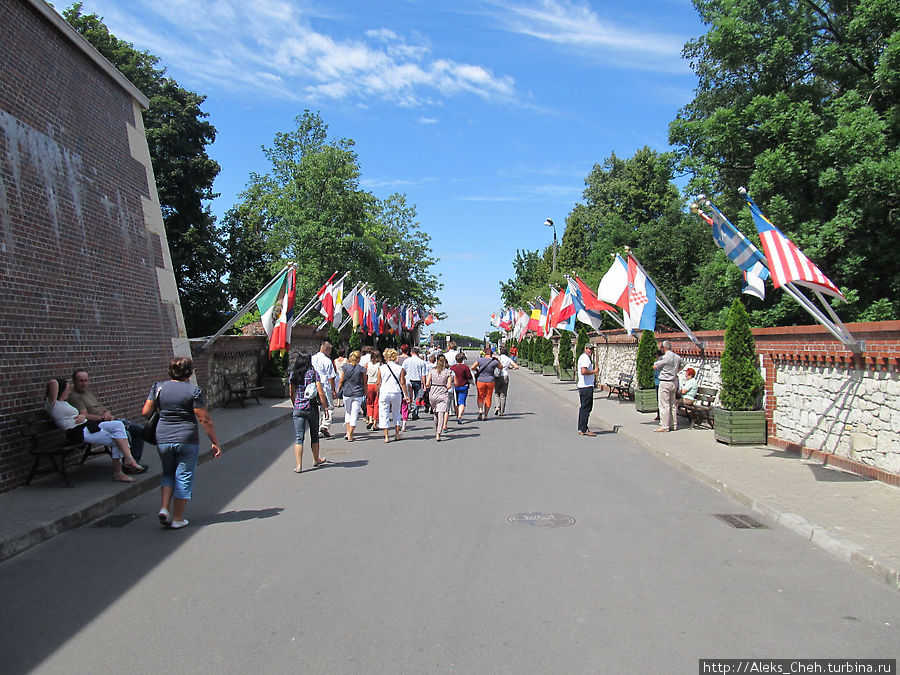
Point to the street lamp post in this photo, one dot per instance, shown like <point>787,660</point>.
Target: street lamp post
<point>549,223</point>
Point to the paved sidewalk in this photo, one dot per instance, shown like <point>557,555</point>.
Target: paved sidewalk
<point>36,512</point>
<point>854,518</point>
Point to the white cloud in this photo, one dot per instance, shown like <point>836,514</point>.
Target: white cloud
<point>269,47</point>
<point>427,120</point>
<point>577,25</point>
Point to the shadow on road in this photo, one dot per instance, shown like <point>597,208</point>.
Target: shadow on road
<point>239,516</point>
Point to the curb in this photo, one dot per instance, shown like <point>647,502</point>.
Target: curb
<point>44,531</point>
<point>815,534</point>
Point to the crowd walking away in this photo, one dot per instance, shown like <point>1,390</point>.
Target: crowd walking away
<point>391,390</point>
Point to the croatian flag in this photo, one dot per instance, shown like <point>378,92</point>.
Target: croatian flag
<point>740,251</point>
<point>787,263</point>
<point>641,299</point>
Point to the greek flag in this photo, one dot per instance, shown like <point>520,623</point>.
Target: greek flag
<point>740,251</point>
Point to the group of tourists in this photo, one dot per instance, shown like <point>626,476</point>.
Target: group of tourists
<point>389,388</point>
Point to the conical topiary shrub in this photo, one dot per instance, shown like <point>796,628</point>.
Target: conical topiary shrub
<point>581,341</point>
<point>566,358</point>
<point>645,399</point>
<point>739,420</point>
<point>741,382</point>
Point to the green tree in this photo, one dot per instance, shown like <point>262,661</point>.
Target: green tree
<point>310,209</point>
<point>355,341</point>
<point>177,136</point>
<point>800,103</point>
<point>741,382</point>
<point>581,340</point>
<point>566,358</point>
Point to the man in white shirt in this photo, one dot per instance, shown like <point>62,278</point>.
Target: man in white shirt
<point>450,354</point>
<point>586,372</point>
<point>415,374</point>
<point>324,366</point>
<point>501,387</point>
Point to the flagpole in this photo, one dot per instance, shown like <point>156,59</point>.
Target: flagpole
<point>312,302</point>
<point>666,305</point>
<point>245,308</point>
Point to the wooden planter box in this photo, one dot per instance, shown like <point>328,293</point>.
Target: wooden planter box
<point>740,427</point>
<point>536,367</point>
<point>276,387</point>
<point>549,370</point>
<point>524,363</point>
<point>567,374</point>
<point>646,400</point>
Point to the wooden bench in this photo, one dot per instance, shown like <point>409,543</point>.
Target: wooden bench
<point>622,388</point>
<point>700,410</point>
<point>238,389</point>
<point>49,442</point>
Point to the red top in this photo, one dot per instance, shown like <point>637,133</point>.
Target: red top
<point>461,374</point>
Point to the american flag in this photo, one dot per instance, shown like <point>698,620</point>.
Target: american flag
<point>787,263</point>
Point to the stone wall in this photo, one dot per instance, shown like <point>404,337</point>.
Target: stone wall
<point>820,400</point>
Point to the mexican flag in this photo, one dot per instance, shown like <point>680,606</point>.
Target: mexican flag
<point>276,308</point>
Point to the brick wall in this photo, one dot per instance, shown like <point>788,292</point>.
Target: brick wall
<point>821,399</point>
<point>84,263</point>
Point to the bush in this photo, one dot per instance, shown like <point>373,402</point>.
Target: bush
<point>355,341</point>
<point>566,358</point>
<point>741,382</point>
<point>646,356</point>
<point>581,341</point>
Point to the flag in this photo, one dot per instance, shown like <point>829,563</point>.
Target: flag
<point>276,308</point>
<point>740,251</point>
<point>588,310</point>
<point>495,320</point>
<point>641,299</point>
<point>521,325</point>
<point>337,295</point>
<point>351,306</point>
<point>613,286</point>
<point>506,319</point>
<point>534,320</point>
<point>556,299</point>
<point>787,263</point>
<point>326,298</point>
<point>430,319</point>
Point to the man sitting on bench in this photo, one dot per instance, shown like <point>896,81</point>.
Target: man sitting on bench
<point>83,399</point>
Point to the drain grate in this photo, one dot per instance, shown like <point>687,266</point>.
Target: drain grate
<point>117,520</point>
<point>542,519</point>
<point>741,521</point>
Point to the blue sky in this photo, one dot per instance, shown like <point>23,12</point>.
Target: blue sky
<point>488,115</point>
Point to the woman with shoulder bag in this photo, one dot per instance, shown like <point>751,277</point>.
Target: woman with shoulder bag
<point>352,389</point>
<point>308,395</point>
<point>391,384</point>
<point>181,406</point>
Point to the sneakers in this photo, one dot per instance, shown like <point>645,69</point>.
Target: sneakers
<point>178,524</point>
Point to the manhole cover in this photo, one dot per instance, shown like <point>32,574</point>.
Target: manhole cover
<point>741,521</point>
<point>117,520</point>
<point>542,519</point>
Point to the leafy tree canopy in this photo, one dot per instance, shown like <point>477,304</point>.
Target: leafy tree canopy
<point>310,209</point>
<point>800,102</point>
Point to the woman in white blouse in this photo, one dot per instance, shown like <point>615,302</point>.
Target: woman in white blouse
<point>391,384</point>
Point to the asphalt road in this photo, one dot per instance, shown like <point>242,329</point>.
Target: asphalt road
<point>400,558</point>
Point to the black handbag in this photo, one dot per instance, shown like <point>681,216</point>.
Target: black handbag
<point>149,433</point>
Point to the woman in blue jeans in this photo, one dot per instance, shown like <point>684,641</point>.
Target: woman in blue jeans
<point>181,406</point>
<point>306,410</point>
